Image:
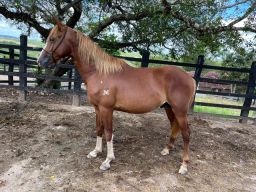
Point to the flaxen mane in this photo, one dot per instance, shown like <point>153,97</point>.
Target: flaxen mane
<point>91,53</point>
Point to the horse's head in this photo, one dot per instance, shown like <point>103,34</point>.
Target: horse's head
<point>57,46</point>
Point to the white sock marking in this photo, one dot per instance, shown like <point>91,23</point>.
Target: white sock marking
<point>98,148</point>
<point>110,148</point>
<point>165,151</point>
<point>183,169</point>
<point>110,156</point>
<point>99,144</point>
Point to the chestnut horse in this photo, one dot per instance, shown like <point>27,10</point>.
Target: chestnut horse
<point>114,85</point>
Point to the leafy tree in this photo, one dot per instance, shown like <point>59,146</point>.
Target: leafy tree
<point>244,59</point>
<point>177,28</point>
<point>184,27</point>
<point>238,59</point>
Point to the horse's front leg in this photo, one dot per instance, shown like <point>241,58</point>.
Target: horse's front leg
<point>99,131</point>
<point>107,117</point>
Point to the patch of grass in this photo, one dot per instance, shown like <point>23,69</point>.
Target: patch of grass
<point>131,54</point>
<point>31,43</point>
<point>218,100</point>
<point>220,110</point>
<point>217,110</point>
<point>35,43</point>
<point>9,41</point>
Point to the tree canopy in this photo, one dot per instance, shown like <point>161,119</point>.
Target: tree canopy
<point>174,27</point>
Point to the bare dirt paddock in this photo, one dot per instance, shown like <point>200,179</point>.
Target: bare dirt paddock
<point>43,148</point>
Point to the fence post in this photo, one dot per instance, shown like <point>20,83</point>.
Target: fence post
<point>198,70</point>
<point>249,93</point>
<point>70,77</point>
<point>197,75</point>
<point>145,58</point>
<point>10,77</point>
<point>76,100</point>
<point>23,68</point>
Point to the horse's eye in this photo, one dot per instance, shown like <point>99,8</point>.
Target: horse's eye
<point>52,39</point>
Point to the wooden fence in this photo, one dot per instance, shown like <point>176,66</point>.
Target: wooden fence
<point>22,66</point>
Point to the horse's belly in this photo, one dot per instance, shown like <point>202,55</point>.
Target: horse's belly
<point>133,103</point>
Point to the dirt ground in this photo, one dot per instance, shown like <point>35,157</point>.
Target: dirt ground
<point>43,148</point>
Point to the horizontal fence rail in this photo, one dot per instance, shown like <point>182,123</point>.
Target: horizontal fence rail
<point>15,62</point>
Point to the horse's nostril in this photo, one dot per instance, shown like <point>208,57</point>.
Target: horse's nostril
<point>43,63</point>
<point>39,61</point>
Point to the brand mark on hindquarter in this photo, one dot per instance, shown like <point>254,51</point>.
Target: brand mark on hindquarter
<point>106,92</point>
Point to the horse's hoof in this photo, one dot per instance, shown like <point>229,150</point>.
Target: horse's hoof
<point>165,151</point>
<point>183,169</point>
<point>104,166</point>
<point>92,154</point>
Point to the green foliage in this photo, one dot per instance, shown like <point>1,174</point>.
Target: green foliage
<point>241,59</point>
<point>38,72</point>
<point>110,39</point>
<point>161,32</point>
<point>188,29</point>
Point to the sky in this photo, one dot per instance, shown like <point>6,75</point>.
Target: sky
<point>7,29</point>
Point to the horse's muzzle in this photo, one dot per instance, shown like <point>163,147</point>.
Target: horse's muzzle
<point>46,60</point>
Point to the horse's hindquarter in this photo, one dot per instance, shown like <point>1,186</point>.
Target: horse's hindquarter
<point>144,89</point>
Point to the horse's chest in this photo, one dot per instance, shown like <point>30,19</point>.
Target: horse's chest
<point>103,96</point>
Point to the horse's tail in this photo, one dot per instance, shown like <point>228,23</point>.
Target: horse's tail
<point>194,92</point>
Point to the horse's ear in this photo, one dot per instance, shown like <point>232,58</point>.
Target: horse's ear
<point>58,23</point>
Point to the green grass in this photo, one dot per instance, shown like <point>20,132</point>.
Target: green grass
<point>220,110</point>
<point>31,43</point>
<point>131,54</point>
<point>217,110</point>
<point>218,100</point>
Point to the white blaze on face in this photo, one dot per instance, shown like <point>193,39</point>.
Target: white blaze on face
<point>41,53</point>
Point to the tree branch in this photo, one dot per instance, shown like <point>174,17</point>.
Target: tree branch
<point>231,28</point>
<point>26,18</point>
<point>77,5</point>
<point>234,4</point>
<point>119,45</point>
<point>58,8</point>
<point>72,4</point>
<point>194,25</point>
<point>119,17</point>
<point>189,22</point>
<point>246,14</point>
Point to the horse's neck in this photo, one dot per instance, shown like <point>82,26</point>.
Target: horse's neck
<point>84,69</point>
<point>87,69</point>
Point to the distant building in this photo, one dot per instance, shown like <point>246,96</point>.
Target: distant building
<point>216,87</point>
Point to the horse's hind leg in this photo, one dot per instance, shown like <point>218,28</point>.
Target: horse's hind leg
<point>99,131</point>
<point>185,131</point>
<point>174,131</point>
